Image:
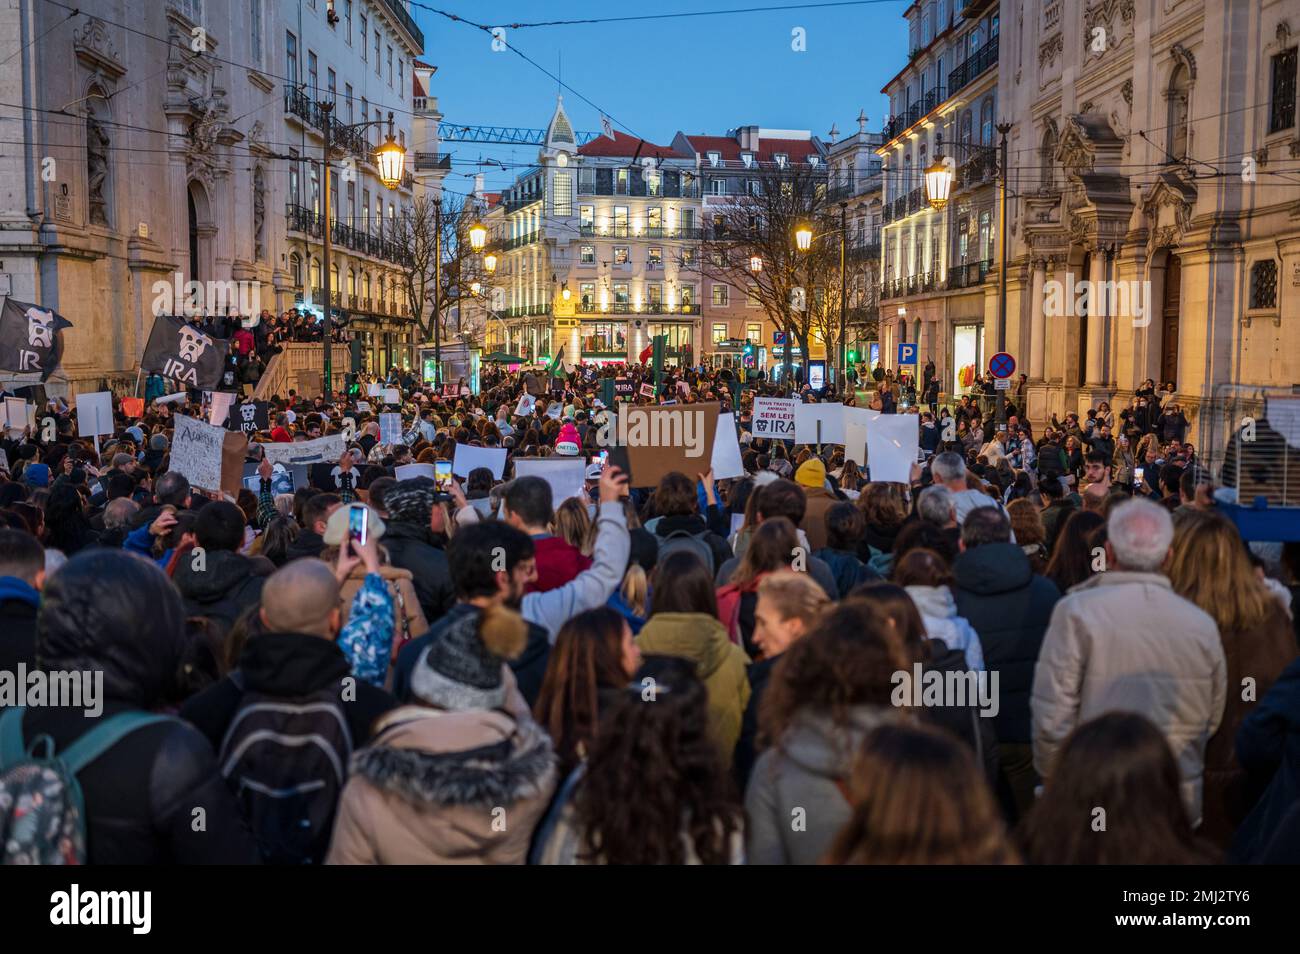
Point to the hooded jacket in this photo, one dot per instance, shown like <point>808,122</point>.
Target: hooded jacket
<point>1009,606</point>
<point>939,614</point>
<point>1123,640</point>
<point>432,786</point>
<point>19,602</point>
<point>226,584</point>
<point>805,770</point>
<point>412,547</point>
<point>719,662</point>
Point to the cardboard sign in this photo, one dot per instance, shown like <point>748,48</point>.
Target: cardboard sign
<point>726,449</point>
<point>306,452</point>
<point>819,424</point>
<point>16,413</point>
<point>250,417</point>
<point>774,418</point>
<point>467,458</point>
<point>647,390</point>
<point>409,471</point>
<point>211,458</point>
<point>525,406</point>
<point>392,396</point>
<point>663,440</point>
<point>892,440</point>
<point>856,422</point>
<point>95,414</point>
<point>375,390</point>
<point>566,475</point>
<point>219,409</point>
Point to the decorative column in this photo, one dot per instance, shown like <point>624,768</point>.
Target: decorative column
<point>1037,329</point>
<point>1095,373</point>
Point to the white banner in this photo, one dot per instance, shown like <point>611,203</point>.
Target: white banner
<point>306,452</point>
<point>564,474</point>
<point>774,417</point>
<point>808,417</point>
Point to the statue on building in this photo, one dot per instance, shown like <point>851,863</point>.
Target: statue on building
<point>259,214</point>
<point>97,145</point>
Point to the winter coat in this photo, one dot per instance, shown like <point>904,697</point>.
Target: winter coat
<point>223,586</point>
<point>1268,747</point>
<point>695,525</point>
<point>942,622</point>
<point>411,547</point>
<point>847,569</point>
<point>813,524</point>
<point>19,602</point>
<point>719,662</point>
<point>309,543</point>
<point>1009,606</point>
<point>807,769</point>
<point>558,562</point>
<point>1262,655</point>
<point>1124,641</point>
<point>1054,516</point>
<point>408,618</point>
<point>432,786</point>
<point>759,675</point>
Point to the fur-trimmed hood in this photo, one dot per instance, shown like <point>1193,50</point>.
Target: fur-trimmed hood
<point>475,758</point>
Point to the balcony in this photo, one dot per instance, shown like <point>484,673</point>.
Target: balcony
<point>974,66</point>
<point>399,13</point>
<point>432,161</point>
<point>522,240</point>
<point>301,219</point>
<point>527,311</point>
<point>842,188</point>
<point>977,170</point>
<point>969,275</point>
<point>521,202</point>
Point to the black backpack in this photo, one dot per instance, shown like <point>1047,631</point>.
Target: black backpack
<point>286,760</point>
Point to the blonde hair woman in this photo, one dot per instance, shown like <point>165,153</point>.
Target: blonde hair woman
<point>1210,567</point>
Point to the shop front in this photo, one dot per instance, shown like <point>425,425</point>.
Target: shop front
<point>967,350</point>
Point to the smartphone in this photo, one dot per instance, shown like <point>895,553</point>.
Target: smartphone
<point>442,475</point>
<point>1138,473</point>
<point>359,525</point>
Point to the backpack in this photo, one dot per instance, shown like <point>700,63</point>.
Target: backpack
<point>690,542</point>
<point>42,813</point>
<point>286,761</point>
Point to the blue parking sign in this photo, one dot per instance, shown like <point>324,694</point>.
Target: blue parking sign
<point>907,352</point>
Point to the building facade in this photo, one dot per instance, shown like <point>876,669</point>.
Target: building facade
<point>1160,129</point>
<point>935,263</point>
<point>179,141</point>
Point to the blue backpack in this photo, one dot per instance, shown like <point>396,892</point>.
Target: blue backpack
<point>42,814</point>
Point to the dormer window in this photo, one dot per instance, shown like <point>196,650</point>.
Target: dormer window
<point>812,161</point>
<point>714,158</point>
<point>747,158</point>
<point>781,159</point>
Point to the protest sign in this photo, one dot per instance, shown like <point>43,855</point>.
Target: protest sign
<point>222,402</point>
<point>375,390</point>
<point>409,471</point>
<point>468,457</point>
<point>774,418</point>
<point>525,406</point>
<point>95,414</point>
<point>306,452</point>
<point>390,428</point>
<point>623,388</point>
<point>210,457</point>
<point>819,424</point>
<point>133,406</point>
<point>250,417</point>
<point>564,474</point>
<point>392,396</point>
<point>16,413</point>
<point>555,410</point>
<point>891,447</point>
<point>310,382</point>
<point>856,421</point>
<point>647,390</point>
<point>726,449</point>
<point>176,398</point>
<point>660,440</point>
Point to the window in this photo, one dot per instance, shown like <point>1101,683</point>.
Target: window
<point>291,57</point>
<point>688,220</point>
<point>587,296</point>
<point>986,236</point>
<point>715,158</point>
<point>620,255</point>
<point>654,258</point>
<point>352,283</point>
<point>365,23</point>
<point>688,295</point>
<point>293,183</point>
<point>562,194</point>
<point>587,255</point>
<point>334,196</point>
<point>365,113</point>
<point>401,78</point>
<point>986,122</point>
<point>619,222</point>
<point>587,181</point>
<point>621,296</point>
<point>1047,159</point>
<point>718,186</point>
<point>620,181</point>
<point>331,83</point>
<point>377,65</point>
<point>1281,114</point>
<point>352,202</point>
<point>1263,284</point>
<point>721,295</point>
<point>719,332</point>
<point>315,273</point>
<point>690,257</point>
<point>295,269</point>
<point>313,79</point>
<point>365,206</point>
<point>1178,98</point>
<point>334,278</point>
<point>654,295</point>
<point>587,218</point>
<point>390,65</point>
<point>754,332</point>
<point>347,20</point>
<point>314,179</point>
<point>719,258</point>
<point>365,286</point>
<point>756,187</point>
<point>751,298</point>
<point>255,29</point>
<point>748,159</point>
<point>653,219</point>
<point>653,182</point>
<point>781,159</point>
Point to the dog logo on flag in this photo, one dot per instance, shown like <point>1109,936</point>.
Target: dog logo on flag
<point>248,412</point>
<point>192,344</point>
<point>40,328</point>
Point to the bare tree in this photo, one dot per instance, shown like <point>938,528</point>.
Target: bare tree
<point>434,228</point>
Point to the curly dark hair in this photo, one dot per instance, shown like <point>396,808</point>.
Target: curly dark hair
<point>654,765</point>
<point>848,660</point>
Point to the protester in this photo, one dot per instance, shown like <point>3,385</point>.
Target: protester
<point>217,581</point>
<point>527,505</point>
<point>414,523</point>
<point>22,574</point>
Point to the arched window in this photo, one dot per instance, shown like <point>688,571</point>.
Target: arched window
<point>352,282</point>
<point>1047,159</point>
<point>365,285</point>
<point>315,273</point>
<point>295,269</point>
<point>334,278</point>
<point>986,122</point>
<point>1179,98</point>
<point>964,129</point>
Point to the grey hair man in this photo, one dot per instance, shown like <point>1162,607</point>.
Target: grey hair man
<point>1123,640</point>
<point>949,470</point>
<point>935,505</point>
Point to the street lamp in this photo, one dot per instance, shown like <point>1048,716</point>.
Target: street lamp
<point>489,263</point>
<point>756,264</point>
<point>477,236</point>
<point>803,239</point>
<point>565,293</point>
<point>390,158</point>
<point>803,236</point>
<point>938,181</point>
<point>475,288</point>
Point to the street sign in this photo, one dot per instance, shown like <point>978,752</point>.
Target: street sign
<point>1002,365</point>
<point>907,352</point>
<point>1002,384</point>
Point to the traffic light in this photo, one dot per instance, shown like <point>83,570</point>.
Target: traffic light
<point>358,355</point>
<point>853,356</point>
<point>748,359</point>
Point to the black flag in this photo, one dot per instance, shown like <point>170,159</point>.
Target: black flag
<point>30,338</point>
<point>179,350</point>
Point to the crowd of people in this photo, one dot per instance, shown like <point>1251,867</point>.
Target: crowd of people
<point>700,671</point>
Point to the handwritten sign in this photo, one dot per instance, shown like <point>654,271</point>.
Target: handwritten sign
<point>209,457</point>
<point>390,428</point>
<point>774,418</point>
<point>306,452</point>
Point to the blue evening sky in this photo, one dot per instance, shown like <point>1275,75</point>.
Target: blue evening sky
<point>703,74</point>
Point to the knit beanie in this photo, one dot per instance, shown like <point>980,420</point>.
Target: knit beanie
<point>461,670</point>
<point>411,501</point>
<point>566,444</point>
<point>811,473</point>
